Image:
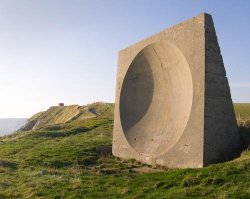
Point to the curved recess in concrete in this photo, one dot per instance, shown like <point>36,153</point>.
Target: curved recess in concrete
<point>156,99</point>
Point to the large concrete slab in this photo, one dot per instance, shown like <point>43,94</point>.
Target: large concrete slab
<point>173,102</point>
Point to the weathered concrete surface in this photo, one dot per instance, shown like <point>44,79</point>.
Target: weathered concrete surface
<point>221,137</point>
<point>173,103</point>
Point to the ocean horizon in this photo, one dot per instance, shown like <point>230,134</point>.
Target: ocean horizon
<point>10,125</point>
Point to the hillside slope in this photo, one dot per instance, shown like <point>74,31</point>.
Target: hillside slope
<point>57,115</point>
<point>73,160</point>
<point>242,111</point>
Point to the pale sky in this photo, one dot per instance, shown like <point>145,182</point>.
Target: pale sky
<point>66,50</point>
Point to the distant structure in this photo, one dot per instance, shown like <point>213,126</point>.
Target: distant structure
<point>60,104</point>
<point>173,102</point>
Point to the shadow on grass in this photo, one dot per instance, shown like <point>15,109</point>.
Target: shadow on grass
<point>245,136</point>
<point>81,163</point>
<point>4,163</point>
<point>57,134</point>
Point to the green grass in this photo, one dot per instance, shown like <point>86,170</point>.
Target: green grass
<point>63,161</point>
<point>242,111</point>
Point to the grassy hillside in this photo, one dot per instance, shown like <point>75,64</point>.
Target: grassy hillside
<point>57,115</point>
<point>73,160</point>
<point>242,112</point>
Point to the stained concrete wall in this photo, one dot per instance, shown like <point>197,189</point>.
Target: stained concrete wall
<point>221,137</point>
<point>161,114</point>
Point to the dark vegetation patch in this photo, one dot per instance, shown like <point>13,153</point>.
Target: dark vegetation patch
<point>242,112</point>
<point>245,135</point>
<point>62,133</point>
<point>4,163</point>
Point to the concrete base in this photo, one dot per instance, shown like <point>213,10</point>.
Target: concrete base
<point>173,102</point>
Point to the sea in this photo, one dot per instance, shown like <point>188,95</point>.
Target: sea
<point>10,125</point>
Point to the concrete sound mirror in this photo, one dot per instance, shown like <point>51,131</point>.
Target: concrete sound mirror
<point>173,103</point>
